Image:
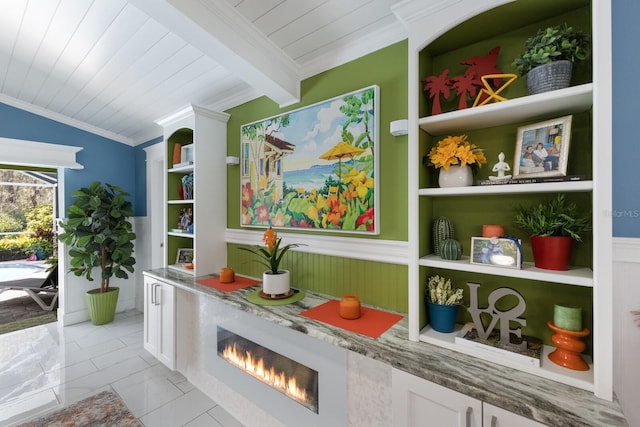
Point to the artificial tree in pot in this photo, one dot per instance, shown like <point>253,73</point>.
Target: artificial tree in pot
<point>100,235</point>
<point>548,57</point>
<point>552,228</point>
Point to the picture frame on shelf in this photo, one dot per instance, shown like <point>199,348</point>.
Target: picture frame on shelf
<point>496,251</point>
<point>187,154</point>
<point>542,149</point>
<point>184,256</point>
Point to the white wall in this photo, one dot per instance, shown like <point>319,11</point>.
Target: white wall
<point>626,326</point>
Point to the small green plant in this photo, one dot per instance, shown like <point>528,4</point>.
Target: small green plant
<point>555,218</point>
<point>440,291</point>
<point>557,43</point>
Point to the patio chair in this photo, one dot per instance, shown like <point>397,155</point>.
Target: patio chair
<point>35,286</point>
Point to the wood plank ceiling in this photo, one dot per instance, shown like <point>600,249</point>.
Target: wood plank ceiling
<point>114,67</point>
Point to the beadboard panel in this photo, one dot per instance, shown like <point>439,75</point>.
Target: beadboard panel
<point>381,284</point>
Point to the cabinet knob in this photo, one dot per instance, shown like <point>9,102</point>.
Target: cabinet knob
<point>469,413</point>
<point>494,421</point>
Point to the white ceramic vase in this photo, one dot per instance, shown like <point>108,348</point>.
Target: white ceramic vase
<point>275,284</point>
<point>455,176</point>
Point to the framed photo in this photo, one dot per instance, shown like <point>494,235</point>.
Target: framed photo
<point>185,256</point>
<point>315,168</point>
<point>542,149</point>
<point>496,251</point>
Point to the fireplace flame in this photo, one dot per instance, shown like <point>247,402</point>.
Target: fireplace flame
<point>256,368</point>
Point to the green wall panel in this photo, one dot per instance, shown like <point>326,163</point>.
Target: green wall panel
<point>376,283</point>
<point>379,284</point>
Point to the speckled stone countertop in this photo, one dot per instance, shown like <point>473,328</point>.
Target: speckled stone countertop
<point>546,401</point>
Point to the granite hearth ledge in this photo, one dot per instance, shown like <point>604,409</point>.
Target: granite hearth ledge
<point>543,400</point>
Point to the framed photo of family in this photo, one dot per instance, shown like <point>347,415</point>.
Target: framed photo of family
<point>542,149</point>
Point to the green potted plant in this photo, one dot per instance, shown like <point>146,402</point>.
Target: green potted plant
<point>99,234</point>
<point>442,303</point>
<point>275,282</point>
<point>552,228</point>
<point>548,57</point>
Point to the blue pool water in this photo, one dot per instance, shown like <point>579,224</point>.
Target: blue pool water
<point>15,271</point>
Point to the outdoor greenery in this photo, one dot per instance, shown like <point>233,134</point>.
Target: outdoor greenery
<point>28,211</point>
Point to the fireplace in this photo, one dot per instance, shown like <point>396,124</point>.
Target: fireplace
<point>293,379</point>
<point>252,356</point>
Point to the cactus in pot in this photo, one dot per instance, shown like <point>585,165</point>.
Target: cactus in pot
<point>442,230</point>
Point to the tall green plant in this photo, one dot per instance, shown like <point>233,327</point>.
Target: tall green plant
<point>99,233</point>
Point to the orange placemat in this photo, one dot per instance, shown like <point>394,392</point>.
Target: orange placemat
<point>240,283</point>
<point>371,323</point>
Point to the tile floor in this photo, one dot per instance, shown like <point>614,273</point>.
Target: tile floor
<point>48,367</point>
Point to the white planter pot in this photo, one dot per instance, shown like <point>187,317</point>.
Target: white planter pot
<point>455,176</point>
<point>275,284</point>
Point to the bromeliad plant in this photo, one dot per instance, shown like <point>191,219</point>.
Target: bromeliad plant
<point>440,291</point>
<point>456,150</point>
<point>273,253</point>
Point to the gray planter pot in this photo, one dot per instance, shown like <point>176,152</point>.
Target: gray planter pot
<point>553,76</point>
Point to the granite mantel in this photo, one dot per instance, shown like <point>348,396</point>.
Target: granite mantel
<point>543,400</point>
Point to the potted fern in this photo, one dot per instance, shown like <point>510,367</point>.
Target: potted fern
<point>552,228</point>
<point>548,57</point>
<point>100,235</point>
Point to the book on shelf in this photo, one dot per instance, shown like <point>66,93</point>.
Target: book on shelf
<point>182,165</point>
<point>468,336</point>
<point>533,180</point>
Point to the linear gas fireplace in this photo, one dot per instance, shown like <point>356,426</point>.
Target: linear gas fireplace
<point>299,380</point>
<point>289,377</point>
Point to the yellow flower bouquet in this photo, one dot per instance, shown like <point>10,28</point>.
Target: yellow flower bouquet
<point>456,150</point>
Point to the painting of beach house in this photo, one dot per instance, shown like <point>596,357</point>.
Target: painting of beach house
<point>314,168</point>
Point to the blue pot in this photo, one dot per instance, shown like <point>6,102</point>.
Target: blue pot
<point>442,317</point>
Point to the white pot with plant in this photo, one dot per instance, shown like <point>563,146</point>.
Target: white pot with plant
<point>442,300</point>
<point>275,281</point>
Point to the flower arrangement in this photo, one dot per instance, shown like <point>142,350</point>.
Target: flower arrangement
<point>456,150</point>
<point>273,253</point>
<point>440,291</point>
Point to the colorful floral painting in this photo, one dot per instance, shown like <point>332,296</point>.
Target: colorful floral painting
<point>314,168</point>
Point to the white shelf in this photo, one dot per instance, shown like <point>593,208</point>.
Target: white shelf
<point>182,169</point>
<point>179,268</point>
<point>483,190</point>
<point>179,234</point>
<point>573,99</point>
<point>180,202</point>
<point>547,369</point>
<point>579,276</point>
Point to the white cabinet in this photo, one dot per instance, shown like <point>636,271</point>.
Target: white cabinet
<point>440,33</point>
<point>160,321</point>
<point>417,403</point>
<point>204,133</point>
<point>492,416</point>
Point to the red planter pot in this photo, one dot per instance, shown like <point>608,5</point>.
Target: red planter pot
<point>552,252</point>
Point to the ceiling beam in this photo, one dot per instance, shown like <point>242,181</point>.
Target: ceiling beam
<point>222,33</point>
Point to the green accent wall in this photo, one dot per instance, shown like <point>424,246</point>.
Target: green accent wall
<point>379,284</point>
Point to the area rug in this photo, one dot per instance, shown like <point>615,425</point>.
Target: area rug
<point>103,409</point>
<point>27,323</point>
<point>371,323</point>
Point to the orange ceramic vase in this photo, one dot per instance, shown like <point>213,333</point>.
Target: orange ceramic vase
<point>350,307</point>
<point>227,275</point>
<point>569,345</point>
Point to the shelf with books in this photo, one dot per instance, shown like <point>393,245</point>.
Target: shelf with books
<point>483,190</point>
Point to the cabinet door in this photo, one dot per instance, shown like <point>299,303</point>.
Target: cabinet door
<point>159,321</point>
<point>492,416</point>
<point>417,402</point>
